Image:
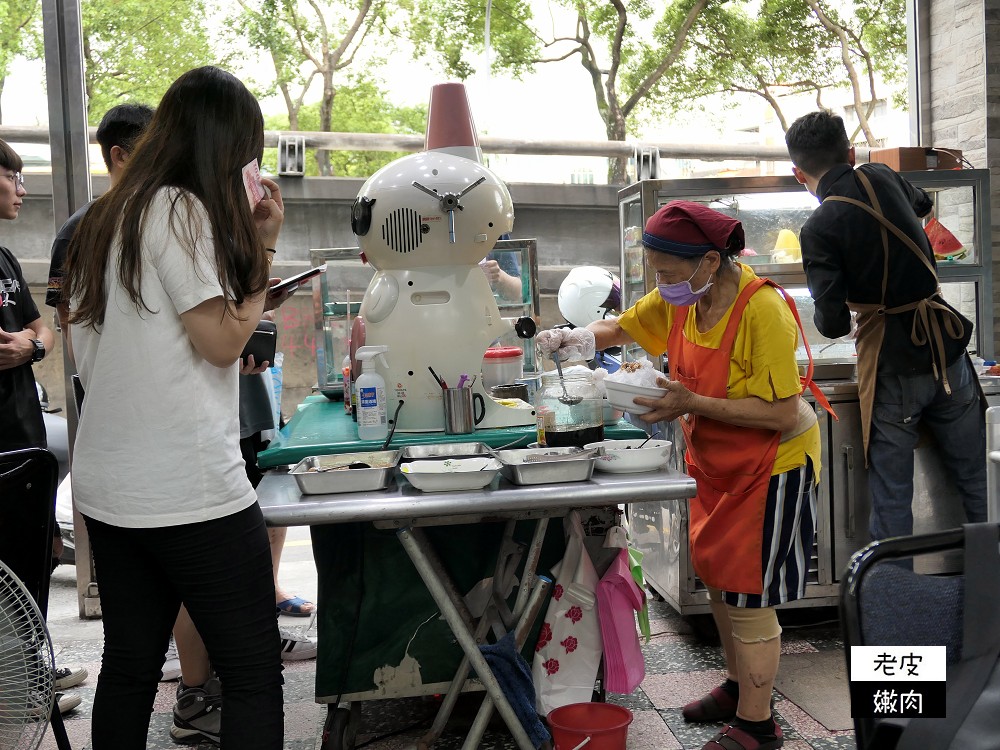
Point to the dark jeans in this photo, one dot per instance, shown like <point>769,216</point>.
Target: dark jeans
<point>902,404</point>
<point>221,570</point>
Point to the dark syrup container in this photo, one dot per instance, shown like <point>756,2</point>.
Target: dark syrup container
<point>571,418</point>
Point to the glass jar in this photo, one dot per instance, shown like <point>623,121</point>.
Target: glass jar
<point>573,418</point>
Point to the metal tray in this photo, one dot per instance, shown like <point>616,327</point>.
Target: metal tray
<point>336,480</point>
<point>556,465</point>
<point>446,450</point>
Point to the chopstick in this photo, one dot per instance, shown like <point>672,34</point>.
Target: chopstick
<point>439,381</point>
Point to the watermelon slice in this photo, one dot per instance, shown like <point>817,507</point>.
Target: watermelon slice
<point>944,244</point>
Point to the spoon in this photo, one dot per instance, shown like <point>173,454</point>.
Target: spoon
<point>565,398</point>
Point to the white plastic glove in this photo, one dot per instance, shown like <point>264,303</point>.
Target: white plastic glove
<point>578,343</point>
<point>570,345</point>
<point>548,341</point>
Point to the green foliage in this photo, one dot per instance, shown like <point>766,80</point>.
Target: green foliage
<point>453,31</point>
<point>258,32</point>
<point>360,106</point>
<point>134,49</point>
<point>20,32</point>
<point>882,28</point>
<point>775,48</point>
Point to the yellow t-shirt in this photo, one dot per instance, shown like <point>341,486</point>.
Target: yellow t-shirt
<point>763,359</point>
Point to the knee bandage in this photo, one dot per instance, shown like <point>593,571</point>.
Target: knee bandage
<point>754,625</point>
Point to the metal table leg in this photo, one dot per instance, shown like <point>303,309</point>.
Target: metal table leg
<point>528,584</point>
<point>534,606</point>
<point>432,572</point>
<point>508,549</point>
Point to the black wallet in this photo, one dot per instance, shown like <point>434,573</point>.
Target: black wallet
<point>262,344</point>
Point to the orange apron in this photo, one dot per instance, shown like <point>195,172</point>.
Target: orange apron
<point>731,465</point>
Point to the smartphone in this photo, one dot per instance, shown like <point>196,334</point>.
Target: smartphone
<point>262,344</point>
<point>293,281</point>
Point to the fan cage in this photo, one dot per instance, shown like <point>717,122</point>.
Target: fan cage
<point>26,667</point>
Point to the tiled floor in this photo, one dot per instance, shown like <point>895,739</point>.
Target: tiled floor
<point>681,665</point>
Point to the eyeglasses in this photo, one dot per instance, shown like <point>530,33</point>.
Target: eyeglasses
<point>17,178</point>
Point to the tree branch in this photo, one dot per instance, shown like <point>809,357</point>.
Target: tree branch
<point>294,21</point>
<point>616,51</point>
<point>589,62</point>
<point>647,84</point>
<point>348,38</point>
<point>841,33</point>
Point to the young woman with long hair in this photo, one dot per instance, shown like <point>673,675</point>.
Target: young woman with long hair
<point>167,277</point>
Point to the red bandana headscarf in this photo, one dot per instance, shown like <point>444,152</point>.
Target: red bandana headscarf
<point>691,229</point>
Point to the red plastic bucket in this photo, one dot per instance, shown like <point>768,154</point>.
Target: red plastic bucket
<point>602,726</point>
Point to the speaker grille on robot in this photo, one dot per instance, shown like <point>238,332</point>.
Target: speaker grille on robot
<point>401,230</point>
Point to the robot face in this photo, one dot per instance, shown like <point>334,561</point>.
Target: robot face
<point>431,209</point>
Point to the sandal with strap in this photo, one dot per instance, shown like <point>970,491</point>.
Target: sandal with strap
<point>718,705</point>
<point>734,738</point>
<point>295,607</point>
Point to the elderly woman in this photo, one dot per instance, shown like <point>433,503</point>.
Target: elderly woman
<point>753,444</point>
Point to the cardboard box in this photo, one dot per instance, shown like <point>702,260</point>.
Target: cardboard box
<point>917,158</point>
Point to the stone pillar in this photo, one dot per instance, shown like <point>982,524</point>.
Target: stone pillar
<point>965,96</point>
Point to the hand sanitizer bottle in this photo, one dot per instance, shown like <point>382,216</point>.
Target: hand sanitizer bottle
<point>373,422</point>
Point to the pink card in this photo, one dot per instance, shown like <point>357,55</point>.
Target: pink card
<point>251,181</point>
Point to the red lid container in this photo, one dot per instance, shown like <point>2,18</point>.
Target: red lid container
<point>503,352</point>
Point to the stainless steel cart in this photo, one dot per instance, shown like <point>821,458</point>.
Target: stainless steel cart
<point>413,515</point>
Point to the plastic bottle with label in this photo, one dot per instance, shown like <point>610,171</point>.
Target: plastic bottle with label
<point>373,422</point>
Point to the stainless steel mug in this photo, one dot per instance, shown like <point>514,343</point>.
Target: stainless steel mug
<point>459,414</point>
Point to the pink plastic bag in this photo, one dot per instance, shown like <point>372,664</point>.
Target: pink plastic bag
<point>618,599</point>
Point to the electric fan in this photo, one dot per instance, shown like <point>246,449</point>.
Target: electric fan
<point>26,663</point>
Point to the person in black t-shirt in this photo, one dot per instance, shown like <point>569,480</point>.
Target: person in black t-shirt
<point>24,338</point>
<point>117,134</point>
<point>865,251</point>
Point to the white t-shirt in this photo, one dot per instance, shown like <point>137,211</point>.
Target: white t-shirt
<point>158,439</point>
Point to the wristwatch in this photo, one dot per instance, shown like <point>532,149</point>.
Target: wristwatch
<point>39,354</point>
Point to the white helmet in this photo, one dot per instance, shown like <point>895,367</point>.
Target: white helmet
<point>589,294</point>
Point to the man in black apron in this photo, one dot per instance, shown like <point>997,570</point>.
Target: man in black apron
<point>864,251</point>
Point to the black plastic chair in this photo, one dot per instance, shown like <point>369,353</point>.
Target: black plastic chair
<point>883,602</point>
<point>28,482</point>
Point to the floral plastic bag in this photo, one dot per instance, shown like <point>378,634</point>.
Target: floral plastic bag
<point>569,650</point>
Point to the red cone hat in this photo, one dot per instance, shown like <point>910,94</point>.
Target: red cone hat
<point>449,123</point>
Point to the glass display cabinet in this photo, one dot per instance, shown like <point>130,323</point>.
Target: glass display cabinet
<point>337,300</point>
<point>773,210</point>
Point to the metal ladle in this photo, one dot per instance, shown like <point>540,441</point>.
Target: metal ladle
<point>565,398</point>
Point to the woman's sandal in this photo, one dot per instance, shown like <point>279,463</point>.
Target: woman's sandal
<point>734,738</point>
<point>718,705</point>
<point>295,607</point>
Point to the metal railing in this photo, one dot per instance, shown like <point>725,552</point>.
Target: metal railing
<point>412,143</point>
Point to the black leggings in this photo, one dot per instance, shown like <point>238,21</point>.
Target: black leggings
<point>221,570</point>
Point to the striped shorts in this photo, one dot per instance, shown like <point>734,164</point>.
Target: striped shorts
<point>789,530</point>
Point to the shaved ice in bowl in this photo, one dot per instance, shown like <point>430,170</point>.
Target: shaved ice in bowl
<point>640,372</point>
